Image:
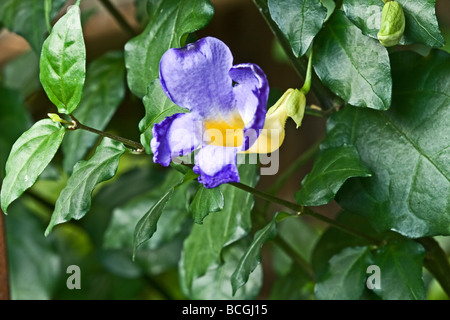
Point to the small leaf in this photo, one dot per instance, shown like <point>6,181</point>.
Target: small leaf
<point>299,20</point>
<point>215,283</point>
<point>103,92</point>
<point>157,107</point>
<point>252,256</point>
<point>401,267</point>
<point>331,169</point>
<point>146,226</point>
<point>74,200</point>
<point>202,248</point>
<point>353,66</point>
<point>169,20</point>
<point>421,25</point>
<point>206,201</point>
<point>63,62</point>
<point>346,276</point>
<point>29,156</point>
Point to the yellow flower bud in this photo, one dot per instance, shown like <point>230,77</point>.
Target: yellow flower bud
<point>392,24</point>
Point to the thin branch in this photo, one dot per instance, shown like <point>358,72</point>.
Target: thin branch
<point>119,18</point>
<point>139,148</point>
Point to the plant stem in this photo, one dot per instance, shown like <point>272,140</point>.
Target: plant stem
<point>139,148</point>
<point>300,161</point>
<point>119,18</point>
<point>436,261</point>
<point>302,210</point>
<point>323,94</point>
<point>301,263</point>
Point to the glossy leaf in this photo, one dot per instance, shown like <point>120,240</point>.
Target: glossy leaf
<point>421,23</point>
<point>14,120</point>
<point>346,275</point>
<point>169,20</point>
<point>74,200</point>
<point>353,66</point>
<point>401,266</point>
<point>252,256</point>
<point>299,20</point>
<point>28,19</point>
<point>331,169</point>
<point>157,107</point>
<point>406,149</point>
<point>206,201</point>
<point>29,156</point>
<point>215,283</point>
<point>203,247</point>
<point>63,62</point>
<point>104,91</point>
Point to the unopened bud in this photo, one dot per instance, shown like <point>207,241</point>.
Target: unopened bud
<point>392,24</point>
<point>295,106</point>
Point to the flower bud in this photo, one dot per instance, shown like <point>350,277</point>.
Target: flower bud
<point>392,24</point>
<point>295,106</point>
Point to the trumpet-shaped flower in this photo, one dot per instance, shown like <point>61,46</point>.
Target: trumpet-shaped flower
<point>226,104</point>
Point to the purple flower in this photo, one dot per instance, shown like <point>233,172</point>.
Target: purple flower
<point>227,107</point>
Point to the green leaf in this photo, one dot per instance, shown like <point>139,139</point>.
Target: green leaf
<point>103,93</point>
<point>299,20</point>
<point>63,62</point>
<point>406,149</point>
<point>29,156</point>
<point>203,247</point>
<point>28,19</point>
<point>334,240</point>
<point>146,226</point>
<point>157,107</point>
<point>421,23</point>
<point>346,275</point>
<point>169,20</point>
<point>215,283</point>
<point>22,73</point>
<point>252,256</point>
<point>74,200</point>
<point>353,66</point>
<point>14,120</point>
<point>206,201</point>
<point>331,169</point>
<point>401,267</point>
<point>34,265</point>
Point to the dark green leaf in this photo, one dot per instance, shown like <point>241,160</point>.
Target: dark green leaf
<point>353,66</point>
<point>294,285</point>
<point>169,20</point>
<point>34,265</point>
<point>346,275</point>
<point>406,149</point>
<point>299,20</point>
<point>14,120</point>
<point>22,73</point>
<point>331,169</point>
<point>204,202</point>
<point>74,200</point>
<point>63,62</point>
<point>28,18</point>
<point>29,156</point>
<point>252,256</point>
<point>401,271</point>
<point>215,283</point>
<point>103,93</point>
<point>421,23</point>
<point>203,247</point>
<point>157,107</point>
